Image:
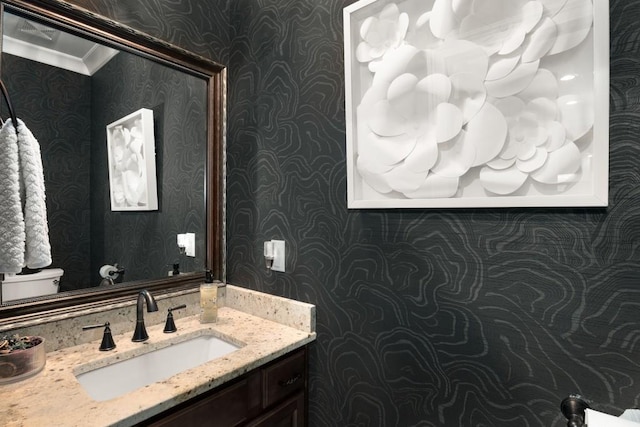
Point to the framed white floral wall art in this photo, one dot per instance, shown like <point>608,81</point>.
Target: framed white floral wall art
<point>132,162</point>
<point>477,103</point>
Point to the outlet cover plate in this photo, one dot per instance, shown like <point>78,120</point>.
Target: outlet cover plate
<point>188,242</point>
<point>278,255</point>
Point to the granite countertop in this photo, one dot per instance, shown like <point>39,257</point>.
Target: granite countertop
<point>54,396</point>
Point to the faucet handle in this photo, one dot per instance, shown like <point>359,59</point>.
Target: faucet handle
<point>170,325</point>
<point>107,339</point>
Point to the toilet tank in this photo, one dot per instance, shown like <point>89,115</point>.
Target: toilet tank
<point>44,282</point>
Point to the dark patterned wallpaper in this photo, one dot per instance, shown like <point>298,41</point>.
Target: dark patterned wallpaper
<point>201,26</point>
<point>478,317</point>
<point>56,106</point>
<point>425,317</point>
<point>144,242</point>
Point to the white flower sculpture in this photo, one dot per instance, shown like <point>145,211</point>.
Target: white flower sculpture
<point>463,90</point>
<point>381,33</point>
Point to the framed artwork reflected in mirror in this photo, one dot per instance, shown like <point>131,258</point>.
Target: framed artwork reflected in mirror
<point>132,162</point>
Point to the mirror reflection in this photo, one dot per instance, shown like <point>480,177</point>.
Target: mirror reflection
<point>67,91</point>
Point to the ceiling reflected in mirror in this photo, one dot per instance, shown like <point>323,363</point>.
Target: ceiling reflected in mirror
<point>38,42</point>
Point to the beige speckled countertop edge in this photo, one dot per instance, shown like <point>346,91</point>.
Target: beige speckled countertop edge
<point>54,397</point>
<point>296,314</point>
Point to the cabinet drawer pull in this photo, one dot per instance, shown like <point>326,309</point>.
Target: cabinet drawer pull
<point>290,381</point>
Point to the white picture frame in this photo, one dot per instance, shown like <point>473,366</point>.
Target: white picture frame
<point>428,127</point>
<point>132,162</point>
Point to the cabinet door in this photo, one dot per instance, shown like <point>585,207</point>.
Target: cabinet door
<point>288,414</point>
<point>284,378</point>
<point>226,408</point>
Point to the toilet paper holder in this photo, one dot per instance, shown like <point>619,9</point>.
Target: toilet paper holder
<point>573,408</point>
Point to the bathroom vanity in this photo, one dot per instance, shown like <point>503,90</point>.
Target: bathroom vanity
<point>275,394</point>
<point>262,382</point>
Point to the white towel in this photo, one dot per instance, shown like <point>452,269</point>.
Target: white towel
<point>30,223</point>
<point>38,248</point>
<point>631,415</point>
<point>600,419</point>
<point>12,234</point>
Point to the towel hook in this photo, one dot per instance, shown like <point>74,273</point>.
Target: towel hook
<point>12,113</point>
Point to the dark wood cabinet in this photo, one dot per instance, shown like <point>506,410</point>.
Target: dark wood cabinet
<point>290,413</point>
<point>274,395</point>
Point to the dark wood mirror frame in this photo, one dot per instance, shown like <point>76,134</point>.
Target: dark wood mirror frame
<point>103,30</point>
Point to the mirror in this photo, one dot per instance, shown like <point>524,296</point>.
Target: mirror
<point>69,104</point>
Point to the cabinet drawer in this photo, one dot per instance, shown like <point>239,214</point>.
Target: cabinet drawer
<point>284,377</point>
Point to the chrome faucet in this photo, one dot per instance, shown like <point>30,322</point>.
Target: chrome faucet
<point>140,333</point>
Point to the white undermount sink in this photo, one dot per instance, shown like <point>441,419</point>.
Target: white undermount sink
<point>127,375</point>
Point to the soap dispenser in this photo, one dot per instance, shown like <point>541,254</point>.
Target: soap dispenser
<point>208,300</point>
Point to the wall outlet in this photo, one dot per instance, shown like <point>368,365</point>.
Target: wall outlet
<point>278,255</point>
<point>187,242</point>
